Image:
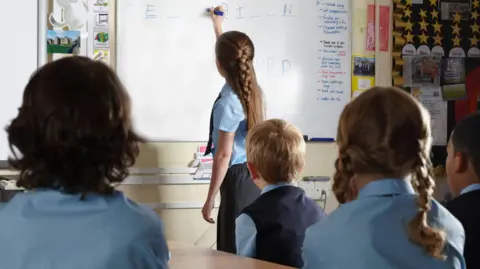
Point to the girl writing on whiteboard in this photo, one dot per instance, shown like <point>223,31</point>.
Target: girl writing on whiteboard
<point>73,141</point>
<point>384,180</point>
<point>238,107</point>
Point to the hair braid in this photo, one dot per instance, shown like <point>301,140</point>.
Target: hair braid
<point>235,52</point>
<point>245,71</point>
<point>341,179</point>
<point>421,233</point>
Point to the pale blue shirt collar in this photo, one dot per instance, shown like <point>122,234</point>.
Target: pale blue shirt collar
<point>271,187</point>
<point>470,188</point>
<point>226,90</point>
<point>386,187</point>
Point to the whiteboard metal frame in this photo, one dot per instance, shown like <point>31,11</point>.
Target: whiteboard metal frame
<point>112,32</point>
<point>42,28</point>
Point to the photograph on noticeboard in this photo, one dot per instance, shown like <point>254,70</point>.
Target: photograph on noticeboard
<point>455,10</point>
<point>64,42</point>
<point>424,70</point>
<point>453,71</point>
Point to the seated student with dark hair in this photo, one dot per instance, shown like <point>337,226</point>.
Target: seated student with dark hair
<point>463,173</point>
<point>273,227</point>
<point>73,140</point>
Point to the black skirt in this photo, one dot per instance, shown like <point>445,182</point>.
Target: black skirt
<point>236,192</point>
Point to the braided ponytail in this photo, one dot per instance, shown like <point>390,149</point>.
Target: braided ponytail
<point>341,180</point>
<point>248,89</point>
<point>235,53</point>
<point>431,239</point>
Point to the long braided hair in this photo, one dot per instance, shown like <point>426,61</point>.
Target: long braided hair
<point>385,131</point>
<point>235,53</point>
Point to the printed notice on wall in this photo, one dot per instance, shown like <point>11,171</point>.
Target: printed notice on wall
<point>384,25</point>
<point>370,46</point>
<point>333,50</point>
<point>363,77</point>
<point>431,98</point>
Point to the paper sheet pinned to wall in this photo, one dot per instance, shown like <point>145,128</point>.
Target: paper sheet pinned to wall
<point>431,98</point>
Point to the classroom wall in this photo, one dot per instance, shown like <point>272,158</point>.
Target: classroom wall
<point>186,224</point>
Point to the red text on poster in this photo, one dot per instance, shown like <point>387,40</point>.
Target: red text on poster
<point>384,35</point>
<point>370,28</point>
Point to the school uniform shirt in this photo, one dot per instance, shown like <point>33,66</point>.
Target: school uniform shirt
<point>285,209</point>
<point>372,232</point>
<point>470,188</point>
<point>46,229</point>
<point>228,116</point>
<point>466,208</point>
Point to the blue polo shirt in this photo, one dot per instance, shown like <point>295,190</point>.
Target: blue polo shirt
<point>46,229</point>
<point>470,188</point>
<point>372,232</point>
<point>228,116</point>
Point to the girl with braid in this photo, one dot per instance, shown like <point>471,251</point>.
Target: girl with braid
<point>237,109</point>
<point>383,181</point>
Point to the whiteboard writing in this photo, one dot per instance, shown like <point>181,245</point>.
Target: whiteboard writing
<point>333,60</point>
<point>166,59</point>
<point>151,12</point>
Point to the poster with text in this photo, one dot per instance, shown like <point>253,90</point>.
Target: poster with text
<point>363,77</point>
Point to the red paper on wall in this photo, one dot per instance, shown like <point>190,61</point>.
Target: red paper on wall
<point>384,22</point>
<point>370,45</point>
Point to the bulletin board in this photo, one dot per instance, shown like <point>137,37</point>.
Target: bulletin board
<point>436,58</point>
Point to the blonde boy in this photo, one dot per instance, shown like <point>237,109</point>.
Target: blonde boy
<point>273,227</point>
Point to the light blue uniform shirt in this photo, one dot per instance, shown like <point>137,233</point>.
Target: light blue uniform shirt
<point>372,232</point>
<point>246,231</point>
<point>45,229</point>
<point>228,116</point>
<point>470,188</point>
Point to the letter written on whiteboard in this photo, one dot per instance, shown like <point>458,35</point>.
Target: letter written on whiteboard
<point>239,12</point>
<point>150,12</point>
<point>286,66</point>
<point>287,10</point>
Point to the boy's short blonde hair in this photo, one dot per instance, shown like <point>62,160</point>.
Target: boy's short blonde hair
<point>277,150</point>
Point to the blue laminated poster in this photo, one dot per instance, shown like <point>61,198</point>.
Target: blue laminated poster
<point>64,42</point>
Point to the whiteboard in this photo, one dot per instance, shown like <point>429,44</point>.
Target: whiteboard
<point>19,47</point>
<point>165,57</point>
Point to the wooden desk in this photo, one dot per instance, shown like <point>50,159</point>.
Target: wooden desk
<point>192,257</point>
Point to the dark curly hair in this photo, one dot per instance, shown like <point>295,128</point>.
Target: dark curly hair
<point>73,131</point>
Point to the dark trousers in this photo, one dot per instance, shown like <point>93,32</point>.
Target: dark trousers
<point>236,192</point>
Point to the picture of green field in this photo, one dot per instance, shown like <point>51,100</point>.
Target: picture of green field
<point>64,49</point>
<point>63,42</point>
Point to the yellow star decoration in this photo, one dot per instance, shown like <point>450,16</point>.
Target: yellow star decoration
<point>407,13</point>
<point>409,37</point>
<point>438,40</point>
<point>408,3</point>
<point>423,13</point>
<point>456,41</point>
<point>437,27</point>
<point>475,3</point>
<point>434,14</point>
<point>433,3</point>
<point>423,25</point>
<point>457,17</point>
<point>473,41</point>
<point>455,30</point>
<point>475,28</point>
<point>475,15</point>
<point>423,38</point>
<point>408,25</point>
